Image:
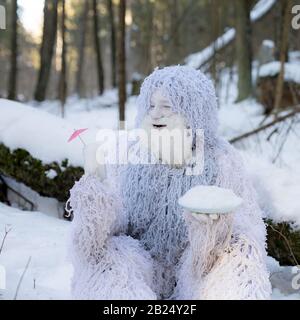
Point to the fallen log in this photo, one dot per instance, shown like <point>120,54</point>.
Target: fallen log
<point>49,180</point>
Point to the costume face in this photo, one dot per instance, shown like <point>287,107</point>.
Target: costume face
<point>171,126</point>
<point>161,113</point>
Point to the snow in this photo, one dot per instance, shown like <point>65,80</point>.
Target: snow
<point>285,281</point>
<point>291,71</point>
<point>294,56</point>
<point>43,135</point>
<point>51,174</point>
<point>278,295</point>
<point>198,59</point>
<point>278,188</point>
<point>275,174</point>
<point>268,43</point>
<point>44,239</point>
<point>210,200</point>
<point>93,113</point>
<point>261,8</point>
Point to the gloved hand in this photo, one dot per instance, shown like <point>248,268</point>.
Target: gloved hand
<point>93,159</point>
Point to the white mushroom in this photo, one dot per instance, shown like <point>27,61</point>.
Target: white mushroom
<point>210,200</point>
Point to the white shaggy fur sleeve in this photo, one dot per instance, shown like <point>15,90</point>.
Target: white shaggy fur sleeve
<point>243,266</point>
<point>97,216</point>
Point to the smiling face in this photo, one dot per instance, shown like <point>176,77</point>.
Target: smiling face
<point>162,121</point>
<point>161,115</point>
<point>160,111</point>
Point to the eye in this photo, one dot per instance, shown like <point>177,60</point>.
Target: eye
<point>167,107</point>
<point>151,106</point>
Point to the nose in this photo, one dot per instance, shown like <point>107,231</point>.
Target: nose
<point>155,113</point>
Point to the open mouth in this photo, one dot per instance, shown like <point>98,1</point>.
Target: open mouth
<point>159,126</point>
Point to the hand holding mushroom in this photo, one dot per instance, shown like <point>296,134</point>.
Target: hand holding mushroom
<point>206,203</point>
<point>208,211</point>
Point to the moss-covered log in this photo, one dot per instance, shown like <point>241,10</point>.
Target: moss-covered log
<point>21,166</point>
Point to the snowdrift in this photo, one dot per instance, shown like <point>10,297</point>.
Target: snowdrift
<point>34,150</point>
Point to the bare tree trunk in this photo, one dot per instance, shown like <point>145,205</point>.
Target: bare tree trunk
<point>284,40</point>
<point>214,5</point>
<point>81,50</point>
<point>62,86</point>
<point>98,49</point>
<point>47,48</point>
<point>12,82</point>
<point>148,58</point>
<point>174,47</point>
<point>122,61</point>
<point>112,43</point>
<point>243,48</point>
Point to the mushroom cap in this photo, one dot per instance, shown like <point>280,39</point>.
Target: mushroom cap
<point>210,200</point>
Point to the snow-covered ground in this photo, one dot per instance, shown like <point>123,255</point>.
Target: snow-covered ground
<point>273,165</point>
<point>42,239</point>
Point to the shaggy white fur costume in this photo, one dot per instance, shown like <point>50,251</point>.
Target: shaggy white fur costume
<point>130,238</point>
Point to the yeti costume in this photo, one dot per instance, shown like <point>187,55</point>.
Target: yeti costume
<point>131,240</point>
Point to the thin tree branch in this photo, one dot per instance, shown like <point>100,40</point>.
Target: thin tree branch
<point>266,126</point>
<point>6,232</point>
<point>287,243</point>
<point>21,279</point>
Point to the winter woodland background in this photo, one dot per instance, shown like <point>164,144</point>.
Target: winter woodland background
<point>68,64</point>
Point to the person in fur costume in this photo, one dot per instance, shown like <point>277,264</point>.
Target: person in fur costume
<point>131,240</point>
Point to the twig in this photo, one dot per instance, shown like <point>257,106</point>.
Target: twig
<point>283,141</point>
<point>21,279</point>
<point>266,126</point>
<point>287,242</point>
<point>7,230</point>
